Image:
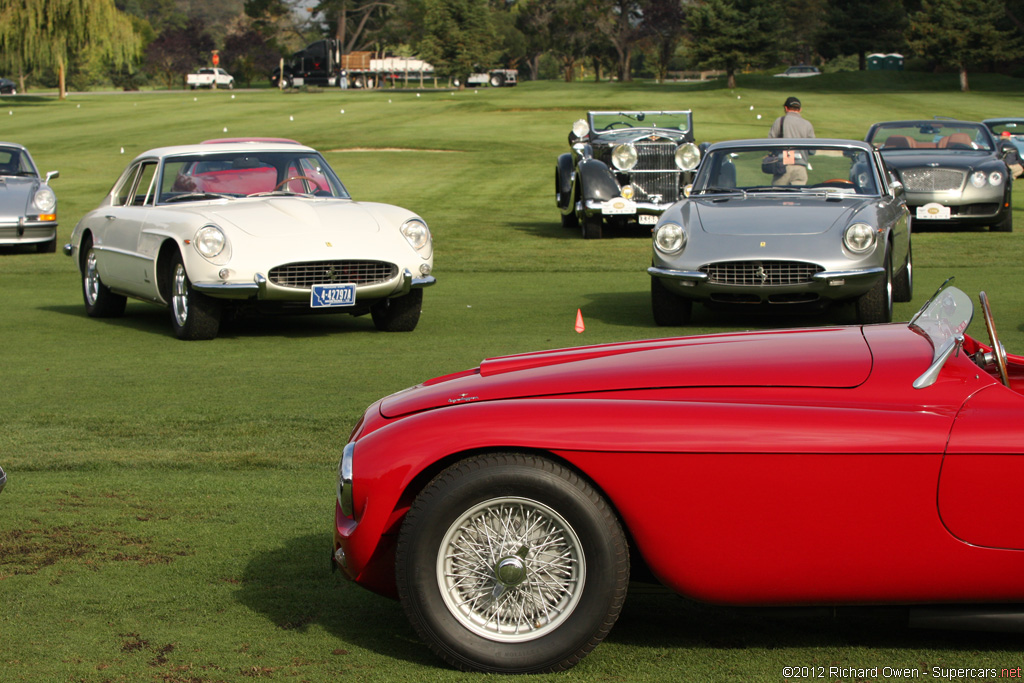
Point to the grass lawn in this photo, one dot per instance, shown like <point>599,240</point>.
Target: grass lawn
<point>168,516</point>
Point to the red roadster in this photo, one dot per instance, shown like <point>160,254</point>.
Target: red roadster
<point>505,505</point>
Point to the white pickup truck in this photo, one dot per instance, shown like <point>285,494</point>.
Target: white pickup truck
<point>209,78</point>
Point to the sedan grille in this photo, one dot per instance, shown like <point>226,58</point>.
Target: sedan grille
<point>760,273</point>
<point>305,275</point>
<point>933,179</point>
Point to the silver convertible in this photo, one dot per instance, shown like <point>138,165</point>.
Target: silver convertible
<point>782,223</point>
<point>28,205</point>
<point>228,226</point>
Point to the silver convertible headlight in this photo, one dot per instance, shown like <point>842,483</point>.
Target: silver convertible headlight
<point>687,156</point>
<point>417,234</point>
<point>45,200</point>
<point>210,241</point>
<point>624,157</point>
<point>670,238</point>
<point>859,238</point>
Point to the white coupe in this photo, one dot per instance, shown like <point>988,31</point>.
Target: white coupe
<point>224,226</point>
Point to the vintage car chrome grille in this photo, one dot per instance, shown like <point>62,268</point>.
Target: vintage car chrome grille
<point>933,179</point>
<point>760,273</point>
<point>305,275</point>
<point>655,174</point>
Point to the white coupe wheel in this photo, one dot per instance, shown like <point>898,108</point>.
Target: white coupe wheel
<point>100,302</point>
<point>193,314</point>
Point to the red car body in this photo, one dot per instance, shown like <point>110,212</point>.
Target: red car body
<point>760,468</point>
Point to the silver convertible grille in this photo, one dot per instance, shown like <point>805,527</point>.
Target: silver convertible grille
<point>760,273</point>
<point>305,275</point>
<point>933,179</point>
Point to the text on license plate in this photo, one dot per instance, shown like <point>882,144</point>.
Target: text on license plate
<point>647,219</point>
<point>329,296</point>
<point>933,211</point>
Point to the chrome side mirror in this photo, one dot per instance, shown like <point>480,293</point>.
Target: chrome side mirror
<point>51,175</point>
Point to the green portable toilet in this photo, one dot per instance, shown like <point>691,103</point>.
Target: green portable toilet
<point>876,62</point>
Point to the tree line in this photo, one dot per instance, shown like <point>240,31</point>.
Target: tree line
<point>130,43</point>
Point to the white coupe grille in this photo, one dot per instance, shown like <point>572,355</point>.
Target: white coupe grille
<point>305,275</point>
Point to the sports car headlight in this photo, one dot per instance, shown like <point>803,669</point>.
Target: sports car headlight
<point>995,178</point>
<point>345,478</point>
<point>624,157</point>
<point>45,200</point>
<point>210,241</point>
<point>687,156</point>
<point>859,237</point>
<point>669,238</point>
<point>417,234</point>
<point>978,179</point>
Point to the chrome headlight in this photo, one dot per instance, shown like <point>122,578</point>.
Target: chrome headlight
<point>45,200</point>
<point>417,234</point>
<point>345,479</point>
<point>624,157</point>
<point>669,238</point>
<point>210,241</point>
<point>995,178</point>
<point>979,178</point>
<point>581,128</point>
<point>687,156</point>
<point>859,238</point>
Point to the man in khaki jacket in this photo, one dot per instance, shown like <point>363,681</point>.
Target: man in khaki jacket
<point>792,125</point>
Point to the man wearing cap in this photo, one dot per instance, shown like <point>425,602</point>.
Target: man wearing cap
<point>792,125</point>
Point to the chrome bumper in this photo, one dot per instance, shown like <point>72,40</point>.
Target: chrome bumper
<point>263,290</point>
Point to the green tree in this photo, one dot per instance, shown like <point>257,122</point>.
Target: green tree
<point>962,34</point>
<point>666,25</point>
<point>45,33</point>
<point>857,27</point>
<point>622,24</point>
<point>736,34</point>
<point>457,36</point>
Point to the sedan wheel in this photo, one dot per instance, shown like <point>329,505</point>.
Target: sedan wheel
<point>100,302</point>
<point>193,314</point>
<point>511,563</point>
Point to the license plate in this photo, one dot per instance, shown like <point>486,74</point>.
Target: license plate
<point>618,206</point>
<point>933,211</point>
<point>330,296</point>
<point>646,219</point>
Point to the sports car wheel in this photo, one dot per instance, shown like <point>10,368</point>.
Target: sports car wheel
<point>903,282</point>
<point>193,314</point>
<point>875,305</point>
<point>511,563</point>
<point>669,310</point>
<point>591,226</point>
<point>400,314</point>
<point>100,302</point>
<point>1006,224</point>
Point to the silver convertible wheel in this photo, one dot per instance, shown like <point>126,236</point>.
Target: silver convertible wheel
<point>511,563</point>
<point>511,569</point>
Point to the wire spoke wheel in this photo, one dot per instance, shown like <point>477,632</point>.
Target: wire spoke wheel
<point>511,569</point>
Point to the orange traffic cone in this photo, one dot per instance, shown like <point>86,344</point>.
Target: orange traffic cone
<point>579,321</point>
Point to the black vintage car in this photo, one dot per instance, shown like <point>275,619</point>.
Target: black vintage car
<point>624,167</point>
<point>952,171</point>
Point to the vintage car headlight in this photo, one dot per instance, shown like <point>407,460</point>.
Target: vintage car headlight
<point>581,128</point>
<point>210,241</point>
<point>687,156</point>
<point>627,191</point>
<point>345,479</point>
<point>859,237</point>
<point>45,200</point>
<point>670,238</point>
<point>418,235</point>
<point>995,178</point>
<point>624,157</point>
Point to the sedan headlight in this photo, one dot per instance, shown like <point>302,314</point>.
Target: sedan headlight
<point>624,157</point>
<point>995,178</point>
<point>859,238</point>
<point>45,200</point>
<point>687,156</point>
<point>669,238</point>
<point>979,178</point>
<point>417,234</point>
<point>210,241</point>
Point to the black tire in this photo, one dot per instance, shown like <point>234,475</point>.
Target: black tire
<point>400,314</point>
<point>1006,223</point>
<point>875,305</point>
<point>100,302</point>
<point>194,315</point>
<point>591,226</point>
<point>579,531</point>
<point>669,309</point>
<point>569,220</point>
<point>903,281</point>
<point>47,247</point>
<point>497,80</point>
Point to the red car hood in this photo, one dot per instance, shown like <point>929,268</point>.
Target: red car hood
<point>831,357</point>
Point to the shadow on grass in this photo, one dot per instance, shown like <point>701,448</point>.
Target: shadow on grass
<point>294,587</point>
<point>553,230</point>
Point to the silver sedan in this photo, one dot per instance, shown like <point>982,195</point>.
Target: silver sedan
<point>783,223</point>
